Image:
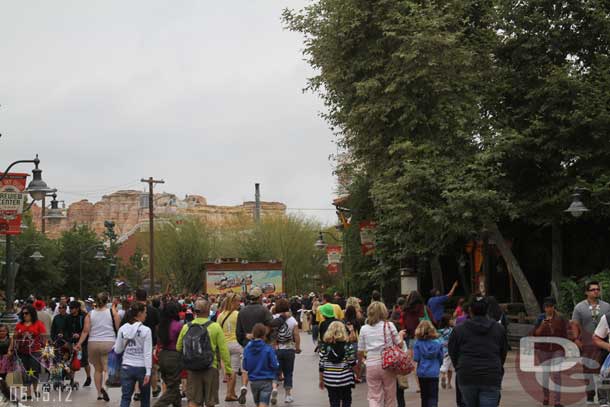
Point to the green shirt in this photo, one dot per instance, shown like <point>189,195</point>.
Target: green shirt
<point>217,339</point>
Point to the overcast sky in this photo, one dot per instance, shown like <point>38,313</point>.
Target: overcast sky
<point>205,95</point>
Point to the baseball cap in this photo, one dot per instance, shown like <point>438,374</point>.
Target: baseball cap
<point>327,311</point>
<point>255,292</point>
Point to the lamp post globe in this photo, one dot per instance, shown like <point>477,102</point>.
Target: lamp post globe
<point>99,255</point>
<point>577,208</point>
<point>38,189</point>
<point>37,256</point>
<point>320,243</point>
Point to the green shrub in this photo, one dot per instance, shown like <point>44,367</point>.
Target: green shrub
<point>571,290</point>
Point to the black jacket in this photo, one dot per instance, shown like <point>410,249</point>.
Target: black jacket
<point>252,314</point>
<point>478,350</point>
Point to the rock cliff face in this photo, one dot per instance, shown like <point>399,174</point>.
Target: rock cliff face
<point>130,208</point>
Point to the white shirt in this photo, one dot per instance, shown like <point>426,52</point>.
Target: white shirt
<point>102,326</point>
<point>134,341</point>
<point>602,330</point>
<point>291,322</point>
<point>372,341</point>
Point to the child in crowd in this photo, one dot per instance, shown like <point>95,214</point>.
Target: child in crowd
<point>445,327</point>
<point>428,353</point>
<point>337,360</point>
<point>261,363</point>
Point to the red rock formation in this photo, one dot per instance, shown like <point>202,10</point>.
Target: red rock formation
<point>130,208</point>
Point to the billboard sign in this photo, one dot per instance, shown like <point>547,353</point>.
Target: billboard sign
<point>239,278</point>
<point>12,200</point>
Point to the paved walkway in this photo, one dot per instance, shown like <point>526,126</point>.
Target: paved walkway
<point>307,393</point>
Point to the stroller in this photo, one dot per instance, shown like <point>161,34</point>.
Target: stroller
<point>60,362</point>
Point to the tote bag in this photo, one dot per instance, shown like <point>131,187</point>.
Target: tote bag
<point>393,357</point>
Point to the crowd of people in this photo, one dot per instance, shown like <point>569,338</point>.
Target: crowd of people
<point>173,348</point>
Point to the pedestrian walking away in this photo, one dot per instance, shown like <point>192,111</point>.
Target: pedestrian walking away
<point>337,360</point>
<point>381,382</point>
<point>260,361</point>
<point>170,360</point>
<point>428,353</point>
<point>101,326</point>
<point>228,322</point>
<point>202,343</point>
<point>288,342</point>
<point>249,316</point>
<point>478,350</point>
<point>134,342</point>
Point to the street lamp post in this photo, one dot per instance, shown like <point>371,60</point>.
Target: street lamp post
<point>81,253</point>
<point>37,189</point>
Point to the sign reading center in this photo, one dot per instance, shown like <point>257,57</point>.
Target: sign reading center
<point>12,199</point>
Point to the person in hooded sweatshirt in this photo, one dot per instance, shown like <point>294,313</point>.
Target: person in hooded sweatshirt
<point>134,341</point>
<point>428,353</point>
<point>261,363</point>
<point>337,361</point>
<point>478,350</point>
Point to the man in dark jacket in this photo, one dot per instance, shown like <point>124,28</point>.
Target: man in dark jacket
<point>478,350</point>
<point>252,314</point>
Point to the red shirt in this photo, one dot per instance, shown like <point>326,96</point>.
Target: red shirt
<point>28,338</point>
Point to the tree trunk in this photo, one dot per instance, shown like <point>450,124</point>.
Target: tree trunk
<point>557,259</point>
<point>529,299</point>
<point>484,272</point>
<point>437,273</point>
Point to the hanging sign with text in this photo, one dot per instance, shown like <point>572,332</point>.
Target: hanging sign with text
<point>12,200</point>
<point>367,237</point>
<point>334,254</point>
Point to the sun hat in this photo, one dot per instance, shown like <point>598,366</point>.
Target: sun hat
<point>327,311</point>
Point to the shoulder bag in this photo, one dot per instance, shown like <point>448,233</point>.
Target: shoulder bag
<point>393,357</point>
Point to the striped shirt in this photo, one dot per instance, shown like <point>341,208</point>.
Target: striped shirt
<point>337,374</point>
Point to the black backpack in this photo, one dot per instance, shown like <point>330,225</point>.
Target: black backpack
<point>197,351</point>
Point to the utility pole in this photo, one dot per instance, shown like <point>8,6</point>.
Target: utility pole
<point>151,229</point>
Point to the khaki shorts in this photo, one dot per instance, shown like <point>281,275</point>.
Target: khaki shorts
<point>98,354</point>
<point>235,350</point>
<point>202,387</point>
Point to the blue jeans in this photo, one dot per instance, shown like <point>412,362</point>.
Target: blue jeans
<point>315,329</point>
<point>129,376</point>
<point>261,391</point>
<point>480,396</point>
<point>286,359</point>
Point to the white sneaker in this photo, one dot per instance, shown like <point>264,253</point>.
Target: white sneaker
<point>288,399</point>
<point>274,397</point>
<point>603,405</point>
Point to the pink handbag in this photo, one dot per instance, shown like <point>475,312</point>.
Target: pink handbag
<point>393,357</point>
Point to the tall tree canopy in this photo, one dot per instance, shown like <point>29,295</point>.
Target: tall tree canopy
<point>462,114</point>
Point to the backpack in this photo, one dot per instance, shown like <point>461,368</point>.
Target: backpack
<point>336,352</point>
<point>284,334</point>
<point>197,351</point>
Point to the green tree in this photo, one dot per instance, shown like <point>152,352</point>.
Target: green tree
<point>30,274</point>
<point>289,239</point>
<point>405,84</point>
<point>81,243</point>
